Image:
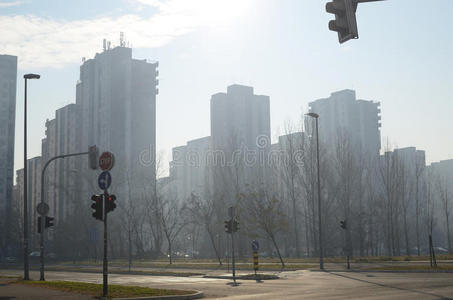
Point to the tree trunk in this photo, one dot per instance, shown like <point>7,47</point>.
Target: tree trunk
<point>169,251</point>
<point>211,237</point>
<point>406,235</point>
<point>278,250</point>
<point>130,248</point>
<point>417,216</point>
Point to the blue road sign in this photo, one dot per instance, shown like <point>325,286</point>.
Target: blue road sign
<point>255,246</point>
<point>104,180</point>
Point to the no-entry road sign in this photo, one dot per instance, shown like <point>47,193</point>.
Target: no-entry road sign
<point>106,161</point>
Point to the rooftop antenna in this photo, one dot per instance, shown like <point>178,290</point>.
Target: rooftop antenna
<point>122,43</point>
<point>104,44</point>
<point>108,45</point>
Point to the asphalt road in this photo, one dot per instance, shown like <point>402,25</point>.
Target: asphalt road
<point>292,285</point>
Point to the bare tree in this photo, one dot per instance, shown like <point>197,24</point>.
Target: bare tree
<point>202,213</point>
<point>289,172</point>
<point>419,171</point>
<point>172,222</point>
<point>264,216</point>
<point>442,189</point>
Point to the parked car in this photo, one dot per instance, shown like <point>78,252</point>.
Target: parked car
<point>10,259</point>
<point>35,254</point>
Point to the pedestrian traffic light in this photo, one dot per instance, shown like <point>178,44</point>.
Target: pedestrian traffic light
<point>110,203</point>
<point>343,224</point>
<point>97,206</point>
<point>49,222</point>
<point>228,226</point>
<point>345,23</point>
<point>39,224</point>
<point>235,226</point>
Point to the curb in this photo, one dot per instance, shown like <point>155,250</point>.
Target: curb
<point>196,295</point>
<point>268,277</point>
<point>383,271</point>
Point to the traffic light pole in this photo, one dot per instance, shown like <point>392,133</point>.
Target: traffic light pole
<point>105,262</point>
<point>233,265</point>
<point>41,240</point>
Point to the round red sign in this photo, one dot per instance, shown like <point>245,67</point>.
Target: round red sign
<point>106,161</point>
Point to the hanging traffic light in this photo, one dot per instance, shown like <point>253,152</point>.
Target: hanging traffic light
<point>97,206</point>
<point>235,226</point>
<point>110,203</point>
<point>343,224</point>
<point>345,23</point>
<point>228,226</point>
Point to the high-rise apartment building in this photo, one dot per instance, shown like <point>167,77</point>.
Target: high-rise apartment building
<point>190,169</point>
<point>343,116</point>
<point>116,98</point>
<point>8,77</point>
<point>48,151</point>
<point>62,174</point>
<point>34,167</point>
<point>240,133</point>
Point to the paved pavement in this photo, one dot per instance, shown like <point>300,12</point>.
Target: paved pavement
<point>292,285</point>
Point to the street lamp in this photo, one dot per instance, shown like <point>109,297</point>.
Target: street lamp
<point>321,260</point>
<point>26,275</point>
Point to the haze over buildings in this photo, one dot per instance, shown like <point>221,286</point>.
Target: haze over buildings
<point>343,116</point>
<point>116,98</point>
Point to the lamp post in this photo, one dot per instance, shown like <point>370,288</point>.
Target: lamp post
<point>321,259</point>
<point>26,273</point>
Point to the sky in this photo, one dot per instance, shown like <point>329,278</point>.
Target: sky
<point>282,48</point>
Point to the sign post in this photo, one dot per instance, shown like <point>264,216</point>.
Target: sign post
<point>106,163</point>
<point>255,248</point>
<point>105,262</point>
<point>233,262</point>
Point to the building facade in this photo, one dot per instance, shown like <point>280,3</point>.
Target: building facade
<point>8,78</point>
<point>240,133</point>
<point>34,167</point>
<point>343,117</point>
<point>190,169</point>
<point>116,98</point>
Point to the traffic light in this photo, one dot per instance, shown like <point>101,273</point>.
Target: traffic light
<point>110,203</point>
<point>49,222</point>
<point>235,226</point>
<point>39,224</point>
<point>228,226</point>
<point>343,224</point>
<point>97,206</point>
<point>345,23</point>
<point>93,154</point>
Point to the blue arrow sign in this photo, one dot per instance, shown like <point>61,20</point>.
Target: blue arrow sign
<point>104,180</point>
<point>255,246</point>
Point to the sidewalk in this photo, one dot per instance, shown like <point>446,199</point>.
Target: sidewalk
<point>8,290</point>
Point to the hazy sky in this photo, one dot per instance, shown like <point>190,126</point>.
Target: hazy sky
<point>281,47</point>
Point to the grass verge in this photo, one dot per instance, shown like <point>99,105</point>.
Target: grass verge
<point>114,291</point>
<point>413,268</point>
